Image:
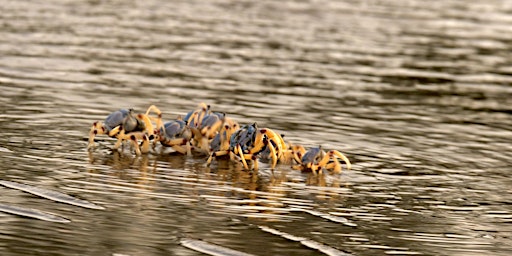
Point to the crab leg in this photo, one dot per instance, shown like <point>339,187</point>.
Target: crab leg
<point>120,136</point>
<point>334,166</point>
<point>215,154</point>
<point>278,140</point>
<point>145,143</point>
<point>115,131</point>
<point>343,157</point>
<point>274,155</point>
<point>239,149</point>
<point>331,156</point>
<point>147,122</point>
<point>134,137</point>
<point>314,167</point>
<point>198,114</point>
<point>255,163</point>
<point>298,152</point>
<point>158,120</point>
<point>181,149</point>
<point>96,129</point>
<point>204,110</point>
<point>209,131</point>
<point>224,139</point>
<point>259,143</point>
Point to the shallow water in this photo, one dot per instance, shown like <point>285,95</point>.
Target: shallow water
<point>417,94</point>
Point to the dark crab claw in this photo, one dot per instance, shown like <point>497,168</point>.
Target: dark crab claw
<point>130,123</point>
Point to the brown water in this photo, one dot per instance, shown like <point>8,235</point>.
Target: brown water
<point>416,93</point>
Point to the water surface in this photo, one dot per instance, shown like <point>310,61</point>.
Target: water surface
<point>417,94</point>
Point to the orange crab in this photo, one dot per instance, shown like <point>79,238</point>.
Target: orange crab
<point>316,159</point>
<point>125,125</point>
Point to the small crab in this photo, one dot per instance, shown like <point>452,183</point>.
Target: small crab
<point>194,117</point>
<point>175,134</point>
<point>124,125</point>
<point>205,125</point>
<point>207,129</point>
<point>247,142</point>
<point>316,159</point>
<point>240,141</point>
<point>274,145</point>
<point>220,141</point>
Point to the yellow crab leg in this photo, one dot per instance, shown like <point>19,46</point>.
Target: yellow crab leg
<point>215,154</point>
<point>297,167</point>
<point>335,166</point>
<point>239,149</point>
<point>343,157</point>
<point>158,119</point>
<point>189,148</point>
<point>196,134</point>
<point>204,146</point>
<point>120,136</point>
<point>278,140</point>
<point>255,164</point>
<point>298,149</point>
<point>258,143</point>
<point>96,129</point>
<point>134,137</point>
<point>114,131</point>
<point>202,109</point>
<point>274,155</point>
<point>314,167</point>
<point>145,143</point>
<point>174,142</point>
<point>180,149</point>
<point>210,131</point>
<point>92,134</point>
<point>147,122</point>
<point>154,109</point>
<point>210,158</point>
<point>224,141</point>
<point>190,118</point>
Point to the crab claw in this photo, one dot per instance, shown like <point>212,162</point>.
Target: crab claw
<point>342,157</point>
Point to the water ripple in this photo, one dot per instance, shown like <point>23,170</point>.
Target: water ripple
<point>32,213</point>
<point>52,195</point>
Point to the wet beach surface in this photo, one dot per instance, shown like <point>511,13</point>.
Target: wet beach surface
<point>417,95</point>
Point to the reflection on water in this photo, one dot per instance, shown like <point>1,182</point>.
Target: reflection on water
<point>416,94</point>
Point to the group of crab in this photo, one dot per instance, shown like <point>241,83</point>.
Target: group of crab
<point>215,135</point>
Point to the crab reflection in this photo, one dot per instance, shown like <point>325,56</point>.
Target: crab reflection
<point>265,194</point>
<point>122,166</point>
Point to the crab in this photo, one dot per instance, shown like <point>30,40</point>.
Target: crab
<point>194,117</point>
<point>175,134</point>
<point>206,130</point>
<point>316,159</point>
<point>221,141</point>
<point>247,142</point>
<point>205,126</point>
<point>287,153</point>
<point>124,125</point>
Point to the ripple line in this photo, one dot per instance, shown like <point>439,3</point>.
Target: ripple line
<point>210,249</point>
<point>306,242</point>
<point>52,195</point>
<point>326,216</point>
<point>32,213</point>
